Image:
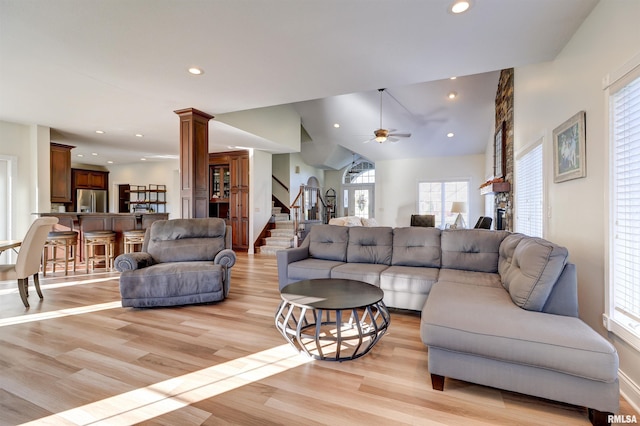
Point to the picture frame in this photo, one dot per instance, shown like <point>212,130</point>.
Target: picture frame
<point>569,149</point>
<point>499,158</point>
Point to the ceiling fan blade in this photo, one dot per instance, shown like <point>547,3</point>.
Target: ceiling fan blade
<point>368,140</point>
<point>400,135</point>
<point>392,139</point>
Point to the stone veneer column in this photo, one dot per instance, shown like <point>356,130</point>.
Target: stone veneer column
<point>504,113</point>
<point>194,163</point>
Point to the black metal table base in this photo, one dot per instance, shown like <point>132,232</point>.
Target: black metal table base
<point>325,335</point>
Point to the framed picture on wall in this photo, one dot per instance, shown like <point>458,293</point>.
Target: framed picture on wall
<point>569,149</point>
<point>499,152</point>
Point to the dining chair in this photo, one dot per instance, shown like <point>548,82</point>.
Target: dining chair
<point>28,260</point>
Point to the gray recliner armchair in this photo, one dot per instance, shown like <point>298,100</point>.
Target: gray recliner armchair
<point>183,261</point>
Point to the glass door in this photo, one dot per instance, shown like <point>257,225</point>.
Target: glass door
<point>358,200</point>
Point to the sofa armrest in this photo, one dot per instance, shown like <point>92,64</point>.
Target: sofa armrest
<point>133,261</point>
<point>226,258</point>
<point>285,257</point>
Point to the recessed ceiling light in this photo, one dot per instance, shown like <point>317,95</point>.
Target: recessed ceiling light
<point>143,159</point>
<point>109,162</point>
<point>100,132</point>
<point>139,135</point>
<point>336,125</point>
<point>452,78</point>
<point>94,153</point>
<point>196,71</point>
<point>460,6</point>
<point>452,95</point>
<point>80,155</point>
<point>450,135</point>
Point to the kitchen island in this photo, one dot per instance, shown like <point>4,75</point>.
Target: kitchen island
<point>117,222</point>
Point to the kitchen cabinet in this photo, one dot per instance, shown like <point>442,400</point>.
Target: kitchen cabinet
<point>60,166</point>
<point>90,179</point>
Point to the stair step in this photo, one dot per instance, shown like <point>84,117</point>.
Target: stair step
<point>270,250</point>
<point>282,233</point>
<point>279,242</point>
<point>281,217</point>
<point>284,224</point>
<point>276,210</point>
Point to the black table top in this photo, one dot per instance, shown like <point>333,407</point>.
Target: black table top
<point>331,293</point>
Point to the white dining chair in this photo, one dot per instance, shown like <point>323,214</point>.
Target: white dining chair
<point>29,256</point>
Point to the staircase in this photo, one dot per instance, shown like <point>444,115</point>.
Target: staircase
<point>281,236</point>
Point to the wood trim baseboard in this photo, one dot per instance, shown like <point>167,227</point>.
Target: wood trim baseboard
<point>629,390</point>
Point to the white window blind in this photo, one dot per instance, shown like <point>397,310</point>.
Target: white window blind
<point>624,110</point>
<point>529,192</point>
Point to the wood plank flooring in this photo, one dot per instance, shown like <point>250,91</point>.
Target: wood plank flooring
<point>78,357</point>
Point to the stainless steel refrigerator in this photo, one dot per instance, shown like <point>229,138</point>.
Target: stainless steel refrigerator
<point>91,201</point>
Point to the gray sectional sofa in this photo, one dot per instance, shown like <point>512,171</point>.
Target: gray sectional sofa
<point>497,308</point>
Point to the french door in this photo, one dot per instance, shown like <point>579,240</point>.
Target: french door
<point>358,200</point>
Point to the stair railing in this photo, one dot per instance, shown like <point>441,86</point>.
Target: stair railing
<point>307,206</point>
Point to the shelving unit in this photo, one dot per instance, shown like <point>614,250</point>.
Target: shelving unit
<point>151,199</point>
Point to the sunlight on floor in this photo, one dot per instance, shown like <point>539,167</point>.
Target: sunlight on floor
<point>146,403</point>
<point>58,314</point>
<point>52,286</point>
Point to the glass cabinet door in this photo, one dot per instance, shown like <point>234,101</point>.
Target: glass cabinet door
<point>220,181</point>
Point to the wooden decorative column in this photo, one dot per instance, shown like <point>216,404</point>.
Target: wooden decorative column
<point>194,163</point>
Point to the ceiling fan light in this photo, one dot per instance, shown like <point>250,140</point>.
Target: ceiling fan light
<point>381,139</point>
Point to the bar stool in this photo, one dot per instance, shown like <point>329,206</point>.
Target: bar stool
<point>93,239</point>
<point>132,239</point>
<point>66,240</point>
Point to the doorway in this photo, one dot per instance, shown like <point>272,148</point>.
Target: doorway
<point>358,200</point>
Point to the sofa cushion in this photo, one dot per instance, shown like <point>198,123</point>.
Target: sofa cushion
<point>366,272</point>
<point>483,321</point>
<point>471,249</point>
<point>183,240</point>
<point>173,283</point>
<point>370,245</point>
<point>310,268</point>
<point>484,279</point>
<point>416,247</point>
<point>408,279</point>
<point>535,267</point>
<point>328,242</point>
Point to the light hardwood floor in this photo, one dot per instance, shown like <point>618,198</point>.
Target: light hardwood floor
<point>77,357</point>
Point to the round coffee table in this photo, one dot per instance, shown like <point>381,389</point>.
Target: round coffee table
<point>311,317</point>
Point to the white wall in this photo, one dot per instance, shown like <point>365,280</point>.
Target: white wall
<point>260,193</point>
<point>145,173</point>
<point>301,178</point>
<point>32,186</point>
<point>281,170</point>
<point>545,96</point>
<point>397,185</point>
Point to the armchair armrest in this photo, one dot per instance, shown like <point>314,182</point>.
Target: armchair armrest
<point>226,258</point>
<point>133,261</point>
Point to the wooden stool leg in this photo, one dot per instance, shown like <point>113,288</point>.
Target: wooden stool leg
<point>73,254</point>
<point>87,255</point>
<point>66,258</point>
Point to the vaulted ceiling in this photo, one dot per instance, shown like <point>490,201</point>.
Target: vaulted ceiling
<point>79,66</point>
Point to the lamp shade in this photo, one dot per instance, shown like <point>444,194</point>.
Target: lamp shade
<point>458,207</point>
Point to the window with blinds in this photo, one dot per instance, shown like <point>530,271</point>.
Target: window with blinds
<point>624,220</point>
<point>437,198</point>
<point>529,195</point>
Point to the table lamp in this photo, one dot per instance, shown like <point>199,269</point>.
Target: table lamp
<point>459,207</point>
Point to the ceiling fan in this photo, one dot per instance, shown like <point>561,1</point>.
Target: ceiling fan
<point>383,135</point>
